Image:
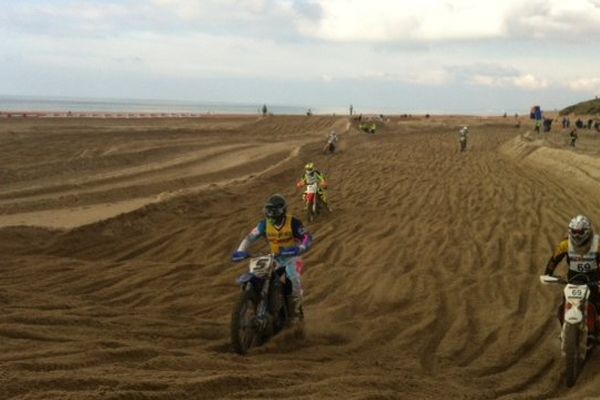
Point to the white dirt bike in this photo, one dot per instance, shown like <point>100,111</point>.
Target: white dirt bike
<point>312,201</point>
<point>330,146</point>
<point>580,322</point>
<point>463,143</point>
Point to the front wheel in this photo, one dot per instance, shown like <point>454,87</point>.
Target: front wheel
<point>243,331</point>
<point>571,347</point>
<point>310,216</point>
<point>278,306</point>
<point>312,209</point>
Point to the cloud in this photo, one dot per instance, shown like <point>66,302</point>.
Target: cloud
<point>258,19</point>
<point>525,81</point>
<point>455,20</point>
<point>589,85</point>
<point>496,76</point>
<point>530,82</point>
<point>352,21</point>
<point>555,20</point>
<point>425,20</point>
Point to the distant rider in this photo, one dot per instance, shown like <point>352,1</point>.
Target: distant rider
<point>581,250</point>
<point>286,234</point>
<point>312,175</point>
<point>332,140</point>
<point>463,136</point>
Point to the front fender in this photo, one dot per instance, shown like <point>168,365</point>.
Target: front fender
<point>573,315</point>
<point>253,280</point>
<point>247,277</point>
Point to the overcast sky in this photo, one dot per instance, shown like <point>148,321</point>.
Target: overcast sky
<point>458,56</point>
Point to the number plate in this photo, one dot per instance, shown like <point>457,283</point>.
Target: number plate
<point>575,292</point>
<point>311,188</point>
<point>261,266</point>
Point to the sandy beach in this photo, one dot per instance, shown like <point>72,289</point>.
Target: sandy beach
<point>115,279</point>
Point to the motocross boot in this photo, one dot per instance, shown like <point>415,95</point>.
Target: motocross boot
<point>324,201</point>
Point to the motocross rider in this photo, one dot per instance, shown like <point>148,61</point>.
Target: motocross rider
<point>581,249</point>
<point>285,234</point>
<point>332,139</point>
<point>312,175</point>
<point>462,137</point>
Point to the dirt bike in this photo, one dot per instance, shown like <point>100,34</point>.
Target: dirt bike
<point>312,201</point>
<point>579,328</point>
<point>463,143</point>
<point>262,309</point>
<point>329,148</point>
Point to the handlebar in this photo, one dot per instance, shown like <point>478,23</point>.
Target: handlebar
<point>241,256</point>
<point>549,280</point>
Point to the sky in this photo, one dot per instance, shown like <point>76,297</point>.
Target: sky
<point>453,56</point>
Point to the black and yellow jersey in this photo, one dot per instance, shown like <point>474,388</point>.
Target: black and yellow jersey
<point>577,263</point>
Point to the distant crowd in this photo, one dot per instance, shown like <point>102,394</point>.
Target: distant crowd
<point>545,124</point>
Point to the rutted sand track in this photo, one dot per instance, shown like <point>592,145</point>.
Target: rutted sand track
<point>422,282</point>
<point>112,169</point>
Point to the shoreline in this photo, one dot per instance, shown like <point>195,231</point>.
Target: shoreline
<point>113,115</point>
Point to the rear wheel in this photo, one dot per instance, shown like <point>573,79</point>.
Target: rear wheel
<point>571,338</point>
<point>243,332</point>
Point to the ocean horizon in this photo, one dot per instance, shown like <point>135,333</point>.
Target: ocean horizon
<point>18,104</point>
<point>53,104</point>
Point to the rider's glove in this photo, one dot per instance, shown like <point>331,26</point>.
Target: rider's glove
<point>289,252</point>
<point>239,256</point>
<point>301,249</point>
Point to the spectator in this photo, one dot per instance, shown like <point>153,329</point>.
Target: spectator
<point>547,124</point>
<point>573,136</point>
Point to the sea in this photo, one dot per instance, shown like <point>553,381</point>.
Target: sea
<point>19,104</point>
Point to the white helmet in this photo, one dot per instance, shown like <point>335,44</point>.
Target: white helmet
<point>580,230</point>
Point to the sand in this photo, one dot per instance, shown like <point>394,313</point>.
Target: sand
<point>422,282</point>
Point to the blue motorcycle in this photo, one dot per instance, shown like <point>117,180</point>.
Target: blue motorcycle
<point>262,308</point>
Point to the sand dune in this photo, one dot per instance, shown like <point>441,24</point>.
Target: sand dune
<point>421,284</point>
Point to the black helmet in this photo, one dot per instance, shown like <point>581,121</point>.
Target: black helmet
<point>275,209</point>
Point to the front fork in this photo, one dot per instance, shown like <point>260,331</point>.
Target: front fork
<point>262,311</point>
